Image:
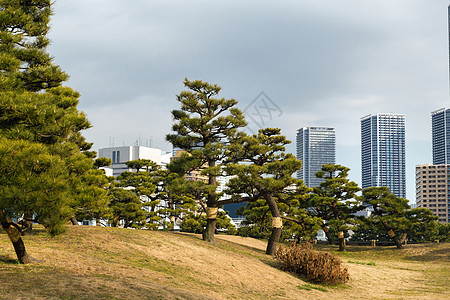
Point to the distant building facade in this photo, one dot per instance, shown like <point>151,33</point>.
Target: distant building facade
<point>432,189</point>
<point>383,152</point>
<point>194,175</point>
<point>316,146</point>
<point>440,133</point>
<point>120,155</point>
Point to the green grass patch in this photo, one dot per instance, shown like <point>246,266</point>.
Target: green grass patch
<point>362,263</point>
<point>309,287</point>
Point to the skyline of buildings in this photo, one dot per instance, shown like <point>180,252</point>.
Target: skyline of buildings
<point>316,146</point>
<point>382,158</point>
<point>432,180</point>
<point>372,173</point>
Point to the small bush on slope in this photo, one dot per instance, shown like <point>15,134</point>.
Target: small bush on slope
<point>318,267</point>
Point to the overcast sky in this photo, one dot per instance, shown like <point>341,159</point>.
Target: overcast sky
<point>317,63</point>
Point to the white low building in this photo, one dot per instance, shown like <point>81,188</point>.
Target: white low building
<point>120,155</point>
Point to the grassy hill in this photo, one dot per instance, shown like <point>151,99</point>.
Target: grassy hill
<point>113,263</point>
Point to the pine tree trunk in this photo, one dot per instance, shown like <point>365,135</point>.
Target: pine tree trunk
<point>27,225</point>
<point>73,220</point>
<point>396,240</point>
<point>273,241</point>
<point>115,221</point>
<point>403,238</point>
<point>327,234</point>
<point>276,225</point>
<point>211,209</point>
<point>208,233</point>
<point>393,236</point>
<point>27,228</point>
<point>15,237</point>
<point>341,241</point>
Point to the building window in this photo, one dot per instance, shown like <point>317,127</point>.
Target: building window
<point>116,157</point>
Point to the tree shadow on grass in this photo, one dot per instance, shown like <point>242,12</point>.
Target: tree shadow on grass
<point>8,260</point>
<point>433,255</point>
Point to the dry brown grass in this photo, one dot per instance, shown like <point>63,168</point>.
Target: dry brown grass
<point>112,263</point>
<point>316,266</point>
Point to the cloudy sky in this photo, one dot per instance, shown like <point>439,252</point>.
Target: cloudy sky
<point>317,63</point>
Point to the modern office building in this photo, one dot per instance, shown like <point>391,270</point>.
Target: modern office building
<point>383,152</point>
<point>316,146</point>
<point>440,133</point>
<point>432,186</point>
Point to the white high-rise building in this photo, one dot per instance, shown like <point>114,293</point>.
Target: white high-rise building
<point>316,146</point>
<point>440,132</point>
<point>383,152</point>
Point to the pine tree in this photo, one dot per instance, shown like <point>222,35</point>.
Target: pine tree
<point>394,215</point>
<point>126,207</point>
<point>202,126</point>
<point>266,172</point>
<point>39,117</point>
<point>334,200</point>
<point>143,181</point>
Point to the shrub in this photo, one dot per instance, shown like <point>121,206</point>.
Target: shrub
<point>318,267</point>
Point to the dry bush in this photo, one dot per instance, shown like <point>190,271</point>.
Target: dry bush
<point>318,267</point>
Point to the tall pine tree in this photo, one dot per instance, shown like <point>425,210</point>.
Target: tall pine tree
<point>334,200</point>
<point>203,126</point>
<point>39,121</point>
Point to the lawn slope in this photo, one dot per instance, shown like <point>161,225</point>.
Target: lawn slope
<point>113,263</point>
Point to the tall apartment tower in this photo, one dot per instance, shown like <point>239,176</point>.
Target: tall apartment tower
<point>383,152</point>
<point>432,186</point>
<point>440,133</point>
<point>316,146</point>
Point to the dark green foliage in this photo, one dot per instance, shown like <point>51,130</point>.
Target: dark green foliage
<point>299,222</point>
<point>318,267</point>
<point>367,229</point>
<point>443,234</point>
<point>102,162</point>
<point>24,62</point>
<point>90,200</point>
<point>180,197</point>
<point>143,181</point>
<point>296,222</point>
<point>33,180</point>
<point>257,223</point>
<point>394,215</point>
<point>196,223</point>
<point>126,207</point>
<point>422,225</point>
